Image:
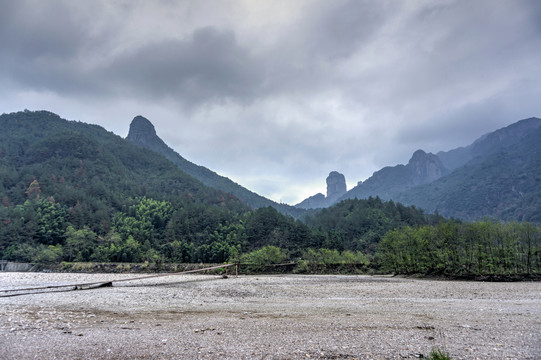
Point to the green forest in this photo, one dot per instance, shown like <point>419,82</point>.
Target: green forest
<point>73,192</point>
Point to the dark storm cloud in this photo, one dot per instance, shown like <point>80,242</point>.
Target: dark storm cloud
<point>48,45</point>
<point>339,30</point>
<point>68,47</point>
<point>36,30</point>
<point>208,66</point>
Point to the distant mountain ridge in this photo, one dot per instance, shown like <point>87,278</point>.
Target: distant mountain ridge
<point>388,182</point>
<point>143,134</point>
<point>497,176</point>
<point>488,143</point>
<point>503,183</point>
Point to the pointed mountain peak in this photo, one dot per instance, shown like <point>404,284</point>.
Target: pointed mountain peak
<point>336,185</point>
<point>417,156</point>
<point>426,167</point>
<point>141,126</point>
<point>142,132</point>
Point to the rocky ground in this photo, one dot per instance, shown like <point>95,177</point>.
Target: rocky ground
<point>268,317</point>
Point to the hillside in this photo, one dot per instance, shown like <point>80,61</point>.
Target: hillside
<point>143,134</point>
<point>73,192</point>
<point>65,181</point>
<point>72,159</point>
<point>388,182</point>
<point>495,177</point>
<point>489,143</point>
<point>503,184</point>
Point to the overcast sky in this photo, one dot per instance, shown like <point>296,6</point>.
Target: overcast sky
<point>276,94</point>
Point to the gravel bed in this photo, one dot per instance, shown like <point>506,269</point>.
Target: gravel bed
<point>268,317</point>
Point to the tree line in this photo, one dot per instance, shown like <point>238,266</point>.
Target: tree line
<point>481,248</point>
<point>149,230</point>
<point>145,229</point>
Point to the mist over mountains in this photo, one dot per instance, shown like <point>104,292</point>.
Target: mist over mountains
<point>75,192</point>
<point>143,134</point>
<point>498,176</point>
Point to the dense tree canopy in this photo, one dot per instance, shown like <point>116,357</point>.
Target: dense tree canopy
<point>480,248</point>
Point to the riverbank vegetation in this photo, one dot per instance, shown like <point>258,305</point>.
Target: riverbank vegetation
<point>453,249</point>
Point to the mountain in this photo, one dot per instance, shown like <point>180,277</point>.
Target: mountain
<point>74,192</point>
<point>142,133</point>
<point>503,182</point>
<point>336,187</point>
<point>71,159</point>
<point>489,143</point>
<point>74,185</point>
<point>71,191</point>
<point>495,177</point>
<point>388,182</point>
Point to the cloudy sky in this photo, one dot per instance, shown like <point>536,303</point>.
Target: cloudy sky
<point>276,94</point>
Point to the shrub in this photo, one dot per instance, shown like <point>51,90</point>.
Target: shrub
<point>267,255</point>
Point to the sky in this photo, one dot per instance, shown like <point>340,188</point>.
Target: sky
<point>275,94</point>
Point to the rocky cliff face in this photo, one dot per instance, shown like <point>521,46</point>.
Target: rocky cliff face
<point>143,133</point>
<point>336,185</point>
<point>425,168</point>
<point>336,188</point>
<point>388,182</point>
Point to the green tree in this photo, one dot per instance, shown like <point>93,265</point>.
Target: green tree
<point>49,254</point>
<point>268,255</point>
<point>79,244</point>
<point>51,221</point>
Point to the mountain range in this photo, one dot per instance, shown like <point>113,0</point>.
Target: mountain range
<point>498,176</point>
<point>71,191</point>
<point>74,192</point>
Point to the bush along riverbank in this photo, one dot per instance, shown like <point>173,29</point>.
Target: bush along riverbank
<point>480,250</point>
<point>484,251</point>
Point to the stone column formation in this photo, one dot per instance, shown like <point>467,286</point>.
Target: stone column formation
<point>336,185</point>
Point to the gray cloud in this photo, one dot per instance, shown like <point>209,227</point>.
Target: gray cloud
<point>276,94</point>
<point>209,66</point>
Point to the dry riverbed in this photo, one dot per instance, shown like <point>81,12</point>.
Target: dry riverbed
<point>268,317</point>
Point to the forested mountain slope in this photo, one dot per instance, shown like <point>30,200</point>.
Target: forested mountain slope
<point>58,174</point>
<point>143,134</point>
<point>497,176</point>
<point>504,184</point>
<point>489,143</point>
<point>72,159</point>
<point>74,192</point>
